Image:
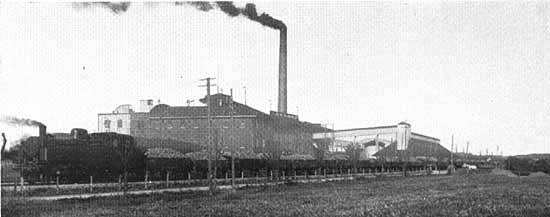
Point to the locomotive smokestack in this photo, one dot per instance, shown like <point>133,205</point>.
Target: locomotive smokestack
<point>282,71</point>
<point>42,138</point>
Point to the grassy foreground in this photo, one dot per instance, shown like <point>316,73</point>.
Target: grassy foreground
<point>461,195</point>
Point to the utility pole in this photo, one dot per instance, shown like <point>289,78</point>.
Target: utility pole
<point>244,95</point>
<point>209,176</point>
<point>232,141</point>
<point>466,153</point>
<point>452,145</point>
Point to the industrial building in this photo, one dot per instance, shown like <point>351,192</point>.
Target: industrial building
<point>124,119</point>
<point>235,127</point>
<point>391,143</point>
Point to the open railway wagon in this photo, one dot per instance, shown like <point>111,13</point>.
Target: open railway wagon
<point>196,167</point>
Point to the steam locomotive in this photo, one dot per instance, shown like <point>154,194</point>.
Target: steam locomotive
<point>76,156</point>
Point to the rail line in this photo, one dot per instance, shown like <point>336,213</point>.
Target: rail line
<point>263,181</point>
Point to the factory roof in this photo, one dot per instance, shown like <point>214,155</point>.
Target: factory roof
<point>366,128</point>
<point>416,148</point>
<point>421,135</point>
<point>220,107</point>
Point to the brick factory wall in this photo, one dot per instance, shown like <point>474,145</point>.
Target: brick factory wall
<point>195,130</point>
<point>138,124</point>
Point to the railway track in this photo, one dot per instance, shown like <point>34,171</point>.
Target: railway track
<point>223,185</point>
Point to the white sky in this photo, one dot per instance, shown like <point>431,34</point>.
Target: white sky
<point>475,70</point>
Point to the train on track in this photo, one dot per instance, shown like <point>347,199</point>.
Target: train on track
<point>74,157</point>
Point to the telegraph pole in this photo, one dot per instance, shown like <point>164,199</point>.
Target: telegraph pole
<point>452,145</point>
<point>244,94</point>
<point>209,176</point>
<point>231,133</point>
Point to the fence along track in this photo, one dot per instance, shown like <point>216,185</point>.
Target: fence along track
<point>256,181</point>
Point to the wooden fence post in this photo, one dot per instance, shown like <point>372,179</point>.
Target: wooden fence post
<point>167,178</point>
<point>91,183</point>
<point>120,182</point>
<point>146,178</point>
<point>57,183</point>
<point>22,183</point>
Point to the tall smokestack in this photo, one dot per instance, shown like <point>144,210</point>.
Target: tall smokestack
<point>251,13</point>
<point>42,130</point>
<point>282,71</point>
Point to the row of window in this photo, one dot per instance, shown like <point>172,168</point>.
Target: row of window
<point>107,124</point>
<point>172,125</point>
<point>192,123</point>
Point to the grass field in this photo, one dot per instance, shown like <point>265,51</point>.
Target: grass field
<point>461,195</point>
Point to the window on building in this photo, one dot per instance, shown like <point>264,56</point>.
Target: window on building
<point>107,124</point>
<point>119,123</point>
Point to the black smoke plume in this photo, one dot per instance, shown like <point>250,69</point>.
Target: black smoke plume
<point>248,11</point>
<point>115,7</point>
<point>20,121</point>
<point>203,6</point>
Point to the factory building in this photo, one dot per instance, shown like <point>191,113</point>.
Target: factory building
<point>391,143</point>
<point>234,127</point>
<point>124,119</point>
<point>419,147</point>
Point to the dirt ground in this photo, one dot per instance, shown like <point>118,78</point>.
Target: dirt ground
<point>459,195</point>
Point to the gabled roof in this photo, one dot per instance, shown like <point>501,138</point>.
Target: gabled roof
<point>416,148</point>
<point>220,107</point>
